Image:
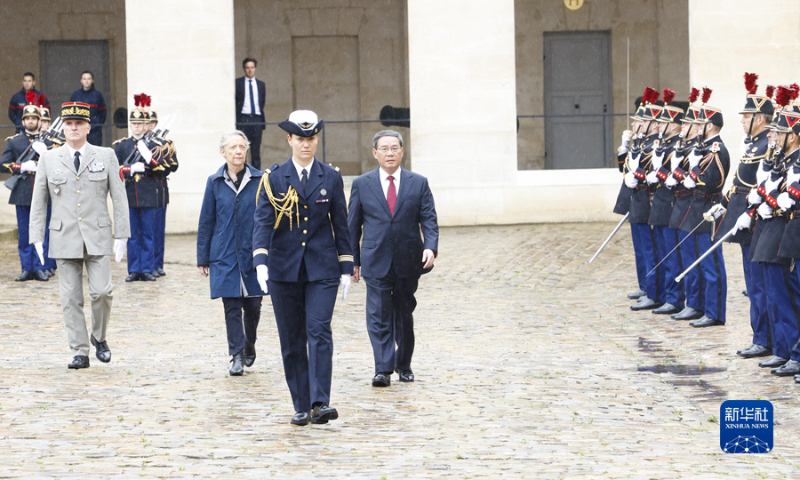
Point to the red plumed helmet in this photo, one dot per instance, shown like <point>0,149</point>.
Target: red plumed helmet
<point>783,96</point>
<point>41,100</point>
<point>795,89</point>
<point>30,96</point>
<point>145,100</point>
<point>693,95</point>
<point>137,100</point>
<point>706,94</point>
<point>750,83</point>
<point>770,91</point>
<point>669,94</point>
<point>647,96</point>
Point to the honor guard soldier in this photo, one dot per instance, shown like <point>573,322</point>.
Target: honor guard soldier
<point>139,165</point>
<point>781,282</point>
<point>170,163</point>
<point>663,198</point>
<point>302,249</point>
<point>639,165</point>
<point>20,100</point>
<point>756,117</point>
<point>709,164</point>
<point>20,157</point>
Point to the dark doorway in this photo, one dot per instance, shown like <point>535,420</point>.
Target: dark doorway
<point>61,65</point>
<point>577,81</point>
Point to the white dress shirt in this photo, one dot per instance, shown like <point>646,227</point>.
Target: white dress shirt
<point>300,169</point>
<point>72,151</point>
<point>385,181</point>
<point>246,106</point>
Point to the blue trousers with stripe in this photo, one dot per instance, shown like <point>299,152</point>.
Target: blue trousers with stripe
<point>160,233</point>
<point>672,291</point>
<point>141,245</point>
<point>693,285</point>
<point>715,295</point>
<point>641,271</point>
<point>644,241</point>
<point>759,318</point>
<point>783,293</point>
<point>28,258</point>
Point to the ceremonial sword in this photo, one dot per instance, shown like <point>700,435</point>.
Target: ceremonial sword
<point>713,247</point>
<point>614,232</point>
<point>676,247</point>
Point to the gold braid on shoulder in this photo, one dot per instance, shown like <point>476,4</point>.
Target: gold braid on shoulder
<point>283,205</point>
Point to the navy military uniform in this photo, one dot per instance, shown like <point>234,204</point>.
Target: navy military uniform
<point>144,199</point>
<point>301,235</point>
<point>170,163</point>
<point>17,104</point>
<point>19,149</point>
<point>756,148</point>
<point>97,112</point>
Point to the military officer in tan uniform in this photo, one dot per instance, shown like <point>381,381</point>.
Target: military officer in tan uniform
<point>77,179</point>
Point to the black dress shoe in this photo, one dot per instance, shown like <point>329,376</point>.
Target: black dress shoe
<point>754,351</point>
<point>249,354</point>
<point>147,277</point>
<point>645,303</point>
<point>635,295</point>
<point>155,274</point>
<point>301,418</point>
<point>322,413</point>
<point>133,277</point>
<point>24,277</point>
<point>103,352</point>
<point>772,362</point>
<point>666,309</point>
<point>237,369</point>
<point>161,272</point>
<point>789,369</point>
<point>80,361</point>
<point>688,313</point>
<point>381,380</point>
<point>705,322</point>
<point>41,276</point>
<point>406,375</point>
<point>52,272</point>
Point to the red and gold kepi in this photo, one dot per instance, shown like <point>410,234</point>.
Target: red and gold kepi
<point>788,122</point>
<point>75,111</point>
<point>710,115</point>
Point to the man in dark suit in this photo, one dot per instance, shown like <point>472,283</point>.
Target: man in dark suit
<point>301,246</point>
<point>250,95</point>
<point>391,206</point>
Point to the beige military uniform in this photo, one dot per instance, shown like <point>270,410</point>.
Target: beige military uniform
<point>81,232</point>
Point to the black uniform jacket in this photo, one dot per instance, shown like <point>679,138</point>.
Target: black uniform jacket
<point>143,189</point>
<point>16,147</point>
<point>710,178</point>
<point>663,198</point>
<point>769,232</point>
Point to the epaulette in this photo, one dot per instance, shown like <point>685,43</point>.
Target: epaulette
<point>270,170</point>
<point>12,136</point>
<point>335,169</point>
<point>120,140</point>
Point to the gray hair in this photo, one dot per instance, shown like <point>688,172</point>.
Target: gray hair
<point>386,133</point>
<point>227,138</point>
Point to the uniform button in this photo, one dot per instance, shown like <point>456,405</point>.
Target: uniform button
<point>78,178</point>
<point>305,218</point>
<point>303,244</point>
<point>80,219</point>
<point>305,231</point>
<point>79,191</point>
<point>305,206</point>
<point>79,204</point>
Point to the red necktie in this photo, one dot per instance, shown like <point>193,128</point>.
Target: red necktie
<point>391,195</point>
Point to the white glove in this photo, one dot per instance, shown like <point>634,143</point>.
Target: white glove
<point>120,245</point>
<point>753,198</point>
<point>652,177</point>
<point>765,211</point>
<point>262,274</point>
<point>39,247</point>
<point>626,141</point>
<point>39,147</point>
<point>671,181</point>
<point>694,159</point>
<point>658,160</point>
<point>689,182</point>
<point>675,161</point>
<point>630,180</point>
<point>785,201</point>
<point>743,222</point>
<point>633,164</point>
<point>345,283</point>
<point>714,212</point>
<point>137,167</point>
<point>29,166</point>
<point>144,151</point>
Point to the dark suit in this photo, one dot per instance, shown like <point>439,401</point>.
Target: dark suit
<point>305,262</point>
<point>390,258</point>
<point>245,122</point>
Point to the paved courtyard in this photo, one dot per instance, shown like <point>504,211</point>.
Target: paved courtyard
<point>529,364</point>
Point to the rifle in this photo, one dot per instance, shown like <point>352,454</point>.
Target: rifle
<point>135,156</point>
<point>54,130</point>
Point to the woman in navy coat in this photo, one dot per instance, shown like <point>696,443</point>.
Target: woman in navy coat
<point>225,247</point>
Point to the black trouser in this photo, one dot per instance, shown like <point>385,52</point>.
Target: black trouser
<point>240,327</point>
<point>253,133</point>
<point>390,320</point>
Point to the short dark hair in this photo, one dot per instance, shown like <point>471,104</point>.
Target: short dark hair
<point>29,74</point>
<point>87,71</point>
<point>767,118</point>
<point>248,60</point>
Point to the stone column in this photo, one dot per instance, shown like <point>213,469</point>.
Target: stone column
<point>181,53</point>
<point>462,90</point>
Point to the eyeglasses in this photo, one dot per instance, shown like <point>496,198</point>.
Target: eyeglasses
<point>394,149</point>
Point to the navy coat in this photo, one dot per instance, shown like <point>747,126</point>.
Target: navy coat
<point>97,106</point>
<point>17,146</point>
<point>392,240</point>
<point>225,235</point>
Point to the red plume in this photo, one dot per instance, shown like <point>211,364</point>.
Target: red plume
<point>137,99</point>
<point>783,96</point>
<point>693,95</point>
<point>149,100</point>
<point>41,100</point>
<point>647,95</point>
<point>706,94</point>
<point>669,94</point>
<point>795,89</point>
<point>654,94</point>
<point>30,96</point>
<point>750,83</point>
<point>145,100</point>
<point>770,91</point>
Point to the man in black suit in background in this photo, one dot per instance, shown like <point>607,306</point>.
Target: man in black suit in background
<point>391,206</point>
<point>250,94</point>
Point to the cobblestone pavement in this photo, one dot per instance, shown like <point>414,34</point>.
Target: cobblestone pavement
<point>529,364</point>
